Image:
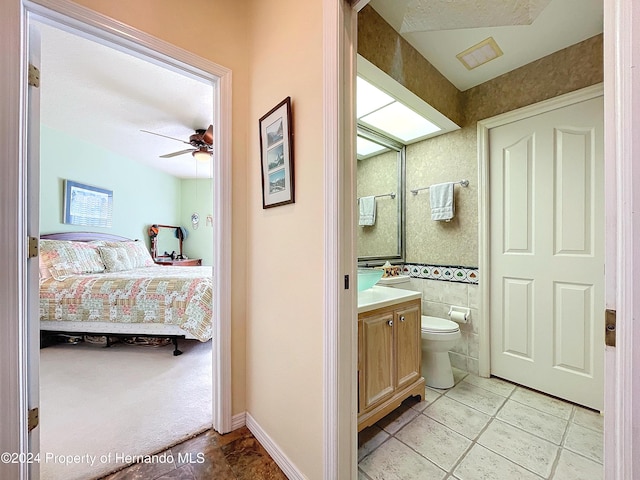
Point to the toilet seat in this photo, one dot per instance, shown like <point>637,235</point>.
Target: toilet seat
<point>438,325</point>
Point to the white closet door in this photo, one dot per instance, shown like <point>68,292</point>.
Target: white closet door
<point>547,252</point>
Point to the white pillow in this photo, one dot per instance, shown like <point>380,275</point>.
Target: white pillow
<point>137,252</point>
<point>115,259</point>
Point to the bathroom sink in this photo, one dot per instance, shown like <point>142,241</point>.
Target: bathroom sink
<point>368,277</point>
<point>378,297</point>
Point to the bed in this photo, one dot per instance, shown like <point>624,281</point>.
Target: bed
<point>108,285</point>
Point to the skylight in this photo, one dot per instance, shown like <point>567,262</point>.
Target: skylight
<point>366,147</point>
<point>401,122</point>
<point>370,98</point>
<point>381,112</point>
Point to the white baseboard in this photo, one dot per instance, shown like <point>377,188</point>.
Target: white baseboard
<point>238,420</point>
<point>273,449</point>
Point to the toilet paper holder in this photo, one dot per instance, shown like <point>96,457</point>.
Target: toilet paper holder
<point>459,314</point>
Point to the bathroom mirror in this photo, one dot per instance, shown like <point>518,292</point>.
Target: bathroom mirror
<point>380,173</point>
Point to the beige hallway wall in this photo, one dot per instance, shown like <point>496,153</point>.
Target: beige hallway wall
<point>285,244</point>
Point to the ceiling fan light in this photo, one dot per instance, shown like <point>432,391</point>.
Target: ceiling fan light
<point>201,155</point>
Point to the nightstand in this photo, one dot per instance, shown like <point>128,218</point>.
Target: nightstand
<point>190,262</point>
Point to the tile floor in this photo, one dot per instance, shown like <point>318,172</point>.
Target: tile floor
<point>234,456</point>
<point>483,429</point>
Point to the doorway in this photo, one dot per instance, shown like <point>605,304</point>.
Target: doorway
<point>88,99</point>
<point>144,45</point>
<point>486,316</point>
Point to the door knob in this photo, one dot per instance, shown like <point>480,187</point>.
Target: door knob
<point>390,323</point>
<point>402,318</point>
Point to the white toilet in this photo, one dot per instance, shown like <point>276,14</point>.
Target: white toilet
<point>438,337</point>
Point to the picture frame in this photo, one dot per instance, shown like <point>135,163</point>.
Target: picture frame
<point>276,156</point>
<point>87,205</point>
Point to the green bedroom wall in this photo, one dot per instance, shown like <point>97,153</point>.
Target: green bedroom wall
<point>141,195</point>
<point>197,197</point>
<point>160,198</point>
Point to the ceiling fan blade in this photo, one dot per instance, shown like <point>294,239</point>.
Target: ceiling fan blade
<point>175,154</point>
<point>165,136</point>
<point>208,136</point>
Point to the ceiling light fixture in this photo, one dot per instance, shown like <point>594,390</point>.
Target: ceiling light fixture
<point>480,53</point>
<point>202,154</point>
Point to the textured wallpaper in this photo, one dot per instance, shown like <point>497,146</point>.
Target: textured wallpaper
<point>379,43</point>
<point>453,156</point>
<point>564,71</point>
<point>447,158</point>
<point>376,176</point>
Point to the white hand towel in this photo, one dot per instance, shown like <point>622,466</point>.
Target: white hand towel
<point>441,198</point>
<point>367,207</point>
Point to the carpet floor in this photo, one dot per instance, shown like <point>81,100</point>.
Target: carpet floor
<point>99,405</point>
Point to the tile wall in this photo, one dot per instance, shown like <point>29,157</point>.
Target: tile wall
<point>438,296</point>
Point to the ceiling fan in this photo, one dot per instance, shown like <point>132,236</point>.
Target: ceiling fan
<point>201,141</point>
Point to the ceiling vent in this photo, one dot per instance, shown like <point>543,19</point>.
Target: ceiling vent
<point>479,54</point>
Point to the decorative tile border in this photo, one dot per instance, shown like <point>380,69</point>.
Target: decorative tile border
<point>442,272</point>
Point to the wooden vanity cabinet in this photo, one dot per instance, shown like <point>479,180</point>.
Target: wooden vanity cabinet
<point>389,360</point>
<point>408,345</point>
<point>377,365</point>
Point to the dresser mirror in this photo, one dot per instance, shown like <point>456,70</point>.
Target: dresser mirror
<point>166,242</point>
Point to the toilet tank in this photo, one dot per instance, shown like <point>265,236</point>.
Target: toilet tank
<point>400,281</point>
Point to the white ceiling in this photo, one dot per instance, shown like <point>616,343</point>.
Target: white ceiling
<point>105,97</point>
<point>525,30</point>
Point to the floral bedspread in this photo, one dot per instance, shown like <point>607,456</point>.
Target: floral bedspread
<point>180,296</point>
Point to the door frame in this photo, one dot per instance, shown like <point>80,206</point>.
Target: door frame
<point>340,329</point>
<point>117,35</point>
<point>622,212</point>
<point>622,140</point>
<point>14,287</point>
<point>622,144</point>
<point>622,177</point>
<point>484,206</point>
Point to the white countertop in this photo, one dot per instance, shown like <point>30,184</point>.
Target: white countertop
<point>378,297</point>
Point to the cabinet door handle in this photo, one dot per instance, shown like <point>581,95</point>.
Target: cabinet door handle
<point>390,323</point>
<point>402,318</point>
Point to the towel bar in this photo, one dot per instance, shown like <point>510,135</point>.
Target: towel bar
<point>392,195</point>
<point>462,183</point>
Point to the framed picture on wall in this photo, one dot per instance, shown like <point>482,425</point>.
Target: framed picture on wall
<point>87,205</point>
<point>276,156</point>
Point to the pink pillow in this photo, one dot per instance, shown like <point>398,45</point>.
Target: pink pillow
<point>63,258</point>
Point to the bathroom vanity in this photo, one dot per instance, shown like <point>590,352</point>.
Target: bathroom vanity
<point>389,351</point>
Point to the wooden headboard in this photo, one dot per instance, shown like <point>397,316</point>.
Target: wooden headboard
<point>84,237</point>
